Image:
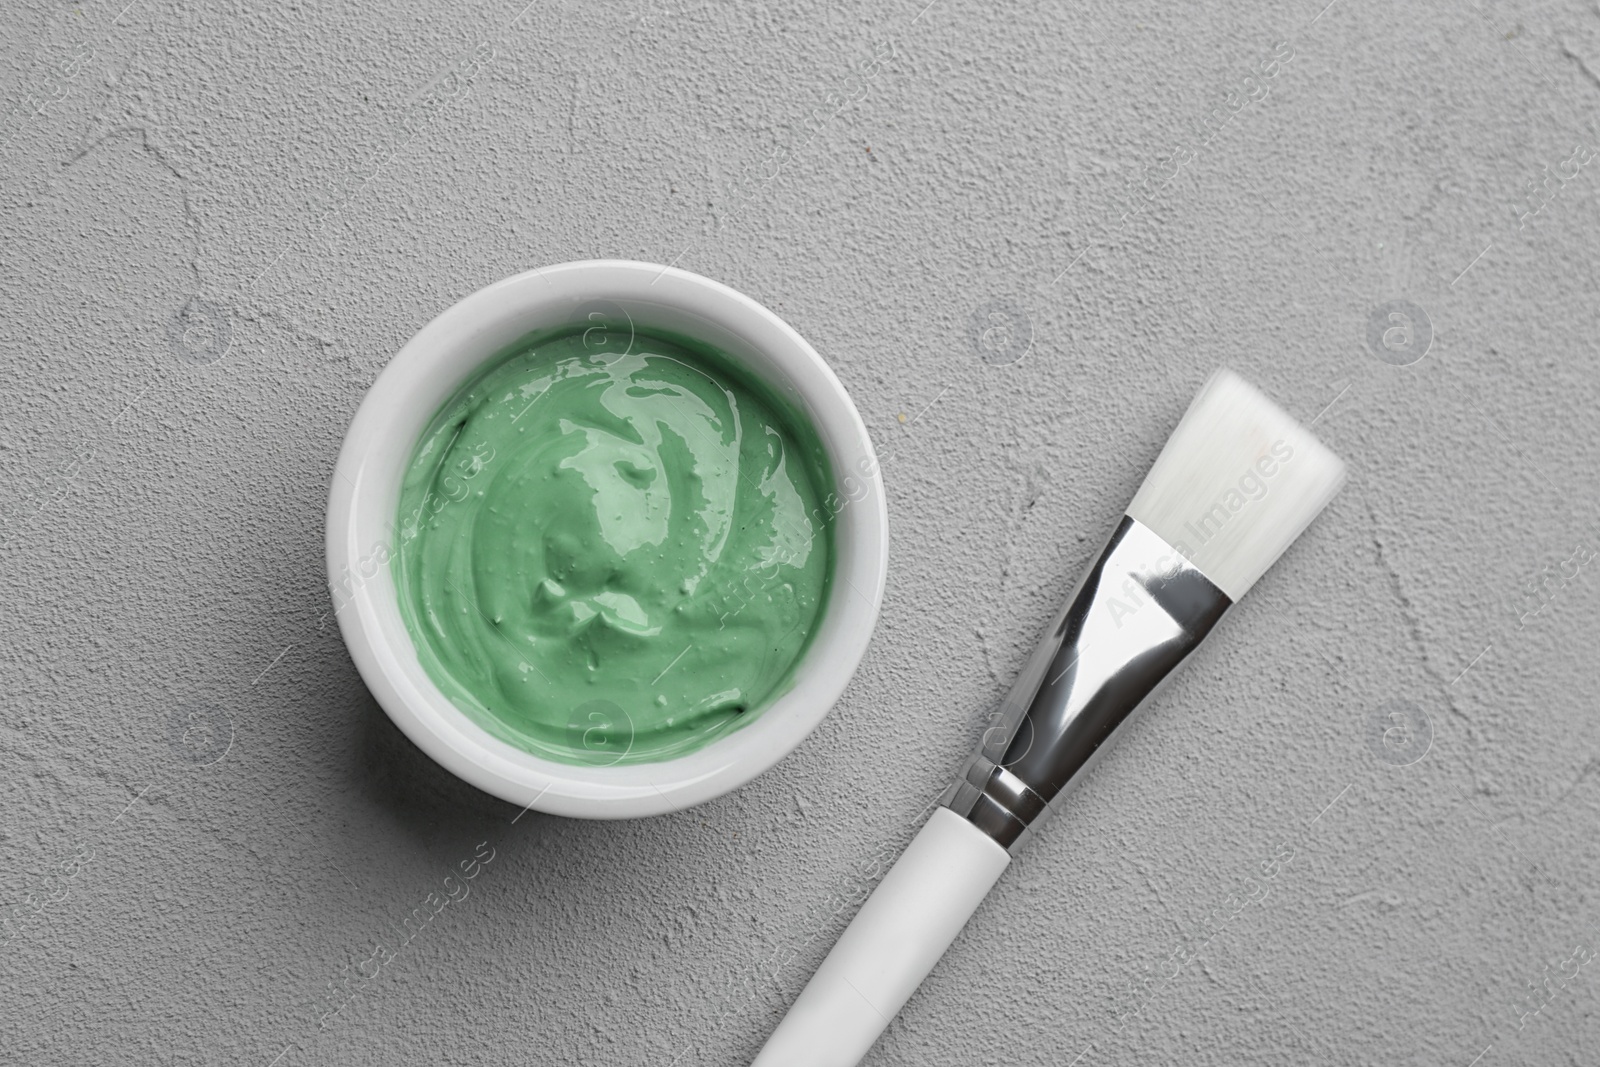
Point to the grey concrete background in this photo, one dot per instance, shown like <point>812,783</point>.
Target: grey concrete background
<point>1359,829</point>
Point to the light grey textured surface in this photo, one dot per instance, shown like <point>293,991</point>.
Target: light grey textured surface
<point>313,182</point>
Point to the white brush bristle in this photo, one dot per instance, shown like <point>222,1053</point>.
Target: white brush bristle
<point>1238,481</point>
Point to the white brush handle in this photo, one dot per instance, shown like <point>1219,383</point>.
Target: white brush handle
<point>889,947</point>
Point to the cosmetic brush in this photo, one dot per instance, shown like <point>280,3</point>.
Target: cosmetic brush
<point>1237,482</point>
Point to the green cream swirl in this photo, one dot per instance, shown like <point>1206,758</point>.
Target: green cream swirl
<point>611,546</point>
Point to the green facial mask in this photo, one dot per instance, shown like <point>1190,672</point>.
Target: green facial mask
<point>612,547</point>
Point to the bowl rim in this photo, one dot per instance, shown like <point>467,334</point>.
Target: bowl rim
<point>457,342</point>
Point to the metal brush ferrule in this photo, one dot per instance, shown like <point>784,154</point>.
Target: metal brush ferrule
<point>1133,618</point>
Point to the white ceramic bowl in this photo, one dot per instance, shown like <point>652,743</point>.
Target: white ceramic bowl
<point>365,496</point>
